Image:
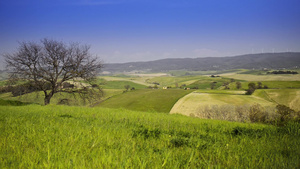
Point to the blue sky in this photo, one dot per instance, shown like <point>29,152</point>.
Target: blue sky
<point>141,30</point>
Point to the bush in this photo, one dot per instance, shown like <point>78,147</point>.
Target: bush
<point>257,113</point>
<point>238,85</point>
<point>251,88</point>
<point>240,113</point>
<point>250,91</point>
<point>224,112</point>
<point>286,114</point>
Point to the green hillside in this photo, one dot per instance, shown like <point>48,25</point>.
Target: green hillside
<point>146,100</point>
<point>119,84</point>
<point>79,137</point>
<point>205,82</point>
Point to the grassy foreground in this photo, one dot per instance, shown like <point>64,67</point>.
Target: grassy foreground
<point>34,136</point>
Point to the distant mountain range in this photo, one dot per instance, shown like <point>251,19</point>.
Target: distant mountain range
<point>286,60</point>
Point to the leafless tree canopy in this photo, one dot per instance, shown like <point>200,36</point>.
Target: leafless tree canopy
<point>51,63</point>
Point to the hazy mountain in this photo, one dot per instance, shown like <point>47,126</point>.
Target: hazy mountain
<point>249,61</point>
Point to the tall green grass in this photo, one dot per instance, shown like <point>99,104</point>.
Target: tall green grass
<point>76,137</point>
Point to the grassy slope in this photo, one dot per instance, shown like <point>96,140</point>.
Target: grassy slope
<point>134,79</point>
<point>78,137</point>
<point>38,98</point>
<point>205,82</point>
<point>192,102</point>
<point>288,97</point>
<point>74,99</point>
<point>121,84</point>
<point>146,100</point>
<point>172,80</point>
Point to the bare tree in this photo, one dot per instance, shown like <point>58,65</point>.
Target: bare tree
<point>127,87</point>
<point>50,63</point>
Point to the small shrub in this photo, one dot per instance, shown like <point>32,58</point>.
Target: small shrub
<point>242,113</point>
<point>259,85</point>
<point>286,114</point>
<point>238,85</point>
<point>257,113</point>
<point>250,91</point>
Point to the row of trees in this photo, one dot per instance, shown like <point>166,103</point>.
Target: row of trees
<point>226,84</point>
<point>283,72</point>
<point>251,86</point>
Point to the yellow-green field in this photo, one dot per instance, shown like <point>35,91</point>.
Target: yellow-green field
<point>191,103</point>
<point>288,97</point>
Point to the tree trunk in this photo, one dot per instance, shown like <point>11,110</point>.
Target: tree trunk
<point>47,99</point>
<point>49,95</point>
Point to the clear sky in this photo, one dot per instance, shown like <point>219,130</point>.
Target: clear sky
<point>141,30</point>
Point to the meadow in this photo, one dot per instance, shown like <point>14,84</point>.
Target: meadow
<point>34,136</point>
<point>154,128</point>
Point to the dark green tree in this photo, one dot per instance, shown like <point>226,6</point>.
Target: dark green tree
<point>238,85</point>
<point>251,88</point>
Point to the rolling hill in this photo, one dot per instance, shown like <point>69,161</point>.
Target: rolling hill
<point>250,61</point>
